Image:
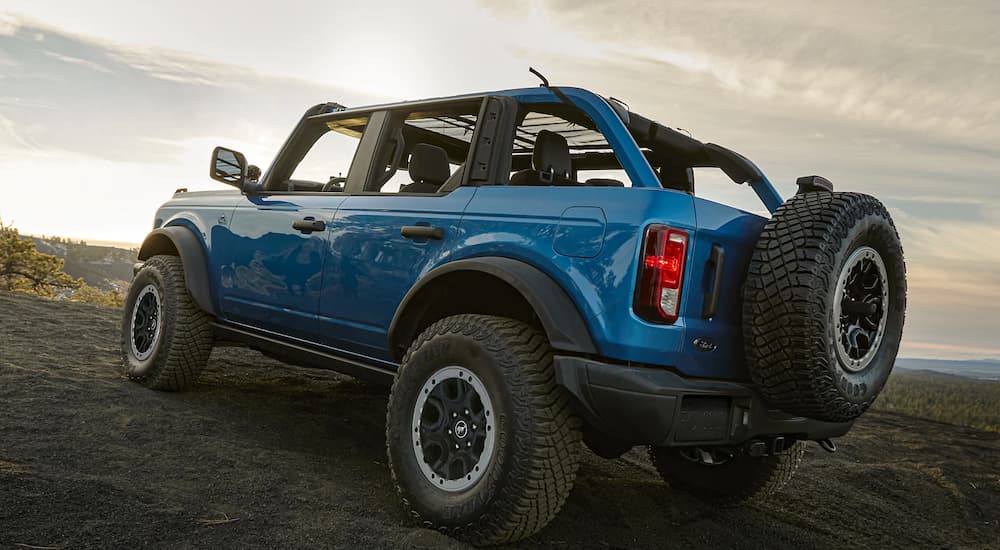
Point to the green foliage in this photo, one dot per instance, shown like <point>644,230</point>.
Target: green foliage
<point>23,268</point>
<point>91,295</point>
<point>942,397</point>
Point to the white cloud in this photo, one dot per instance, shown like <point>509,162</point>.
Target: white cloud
<point>8,24</point>
<point>93,65</point>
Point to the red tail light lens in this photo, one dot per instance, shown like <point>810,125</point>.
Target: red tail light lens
<point>661,274</point>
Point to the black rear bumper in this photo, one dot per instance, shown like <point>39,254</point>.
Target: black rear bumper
<point>647,406</point>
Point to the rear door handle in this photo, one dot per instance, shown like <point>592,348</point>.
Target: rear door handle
<point>422,232</point>
<point>308,225</point>
<point>716,263</point>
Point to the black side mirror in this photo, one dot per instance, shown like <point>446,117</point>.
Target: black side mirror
<point>230,167</point>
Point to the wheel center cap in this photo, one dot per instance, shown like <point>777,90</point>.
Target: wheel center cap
<point>461,429</point>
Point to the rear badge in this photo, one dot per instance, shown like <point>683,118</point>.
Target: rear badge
<point>704,344</point>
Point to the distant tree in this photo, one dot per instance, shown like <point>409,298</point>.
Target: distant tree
<point>91,295</point>
<point>23,268</point>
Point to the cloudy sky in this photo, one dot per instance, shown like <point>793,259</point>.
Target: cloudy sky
<point>107,106</point>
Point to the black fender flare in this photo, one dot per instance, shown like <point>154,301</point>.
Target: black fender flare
<point>181,241</point>
<point>559,316</point>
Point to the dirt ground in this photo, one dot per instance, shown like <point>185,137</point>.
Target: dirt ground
<point>260,454</point>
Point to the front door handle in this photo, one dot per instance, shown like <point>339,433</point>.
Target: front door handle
<point>422,232</point>
<point>308,225</point>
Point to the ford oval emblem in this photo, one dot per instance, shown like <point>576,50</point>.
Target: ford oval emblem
<point>704,344</point>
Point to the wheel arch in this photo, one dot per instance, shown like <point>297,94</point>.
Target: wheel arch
<point>178,240</point>
<point>491,285</point>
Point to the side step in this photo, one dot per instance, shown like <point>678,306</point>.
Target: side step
<point>302,354</point>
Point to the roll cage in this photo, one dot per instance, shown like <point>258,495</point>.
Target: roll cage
<point>651,154</point>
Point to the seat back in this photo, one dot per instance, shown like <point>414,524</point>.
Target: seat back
<point>428,168</point>
<point>550,161</point>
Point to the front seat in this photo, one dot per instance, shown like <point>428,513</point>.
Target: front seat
<point>550,161</point>
<point>428,168</point>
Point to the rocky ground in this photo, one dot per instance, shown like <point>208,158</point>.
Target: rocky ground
<point>260,454</point>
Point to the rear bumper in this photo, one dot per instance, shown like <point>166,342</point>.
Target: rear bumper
<point>647,406</point>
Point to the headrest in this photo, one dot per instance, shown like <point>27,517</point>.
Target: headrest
<point>429,164</point>
<point>551,154</point>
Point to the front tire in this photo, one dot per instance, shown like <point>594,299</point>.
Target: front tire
<point>726,478</point>
<point>166,339</point>
<point>482,443</point>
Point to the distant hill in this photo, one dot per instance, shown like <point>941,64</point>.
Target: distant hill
<point>983,369</point>
<point>103,267</point>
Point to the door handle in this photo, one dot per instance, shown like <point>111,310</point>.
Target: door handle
<point>422,232</point>
<point>308,225</point>
<point>716,261</point>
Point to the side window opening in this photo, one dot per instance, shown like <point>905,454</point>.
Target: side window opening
<point>426,152</point>
<point>328,161</point>
<point>559,145</point>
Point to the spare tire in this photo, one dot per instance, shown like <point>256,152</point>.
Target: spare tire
<point>823,305</point>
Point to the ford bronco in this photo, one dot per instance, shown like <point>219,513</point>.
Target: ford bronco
<point>529,269</point>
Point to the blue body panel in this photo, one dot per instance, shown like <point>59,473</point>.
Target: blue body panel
<point>370,266</point>
<point>271,275</point>
<point>341,287</point>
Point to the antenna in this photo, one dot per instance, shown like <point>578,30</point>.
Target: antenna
<point>545,81</point>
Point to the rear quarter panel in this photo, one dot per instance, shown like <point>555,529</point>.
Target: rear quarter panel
<point>523,222</point>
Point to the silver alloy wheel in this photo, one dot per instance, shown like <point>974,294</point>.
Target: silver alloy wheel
<point>145,327</point>
<point>453,432</point>
<point>860,308</point>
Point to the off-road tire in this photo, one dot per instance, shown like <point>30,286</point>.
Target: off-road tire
<point>535,458</point>
<point>788,304</point>
<point>744,479</point>
<point>185,339</point>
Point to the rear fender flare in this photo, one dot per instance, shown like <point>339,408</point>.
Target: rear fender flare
<point>180,241</point>
<point>558,314</point>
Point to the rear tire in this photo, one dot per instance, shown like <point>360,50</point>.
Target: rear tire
<point>738,480</point>
<point>516,450</point>
<point>166,339</point>
<point>823,305</point>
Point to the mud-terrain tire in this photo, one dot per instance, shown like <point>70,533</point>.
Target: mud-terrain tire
<point>820,340</point>
<point>166,339</point>
<point>518,480</point>
<point>742,479</point>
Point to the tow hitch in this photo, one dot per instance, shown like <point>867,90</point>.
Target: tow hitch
<point>827,445</point>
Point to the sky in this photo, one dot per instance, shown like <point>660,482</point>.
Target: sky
<point>107,106</point>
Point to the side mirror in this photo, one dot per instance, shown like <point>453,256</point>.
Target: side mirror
<point>230,167</point>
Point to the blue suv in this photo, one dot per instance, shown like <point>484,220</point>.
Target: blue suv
<point>531,269</point>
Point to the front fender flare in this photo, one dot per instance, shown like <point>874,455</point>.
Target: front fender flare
<point>181,241</point>
<point>559,316</point>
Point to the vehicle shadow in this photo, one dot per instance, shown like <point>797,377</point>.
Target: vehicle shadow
<point>318,417</point>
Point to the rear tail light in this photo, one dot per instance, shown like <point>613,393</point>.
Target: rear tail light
<point>661,274</point>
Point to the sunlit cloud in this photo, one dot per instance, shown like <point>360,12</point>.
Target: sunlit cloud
<point>8,24</point>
